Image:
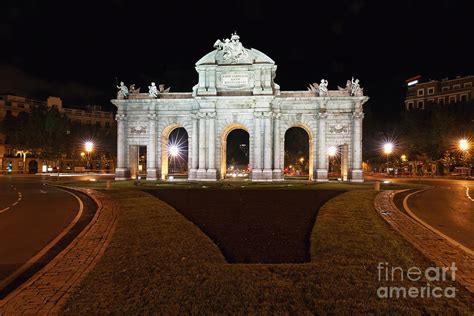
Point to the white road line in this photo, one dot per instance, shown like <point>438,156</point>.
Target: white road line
<point>15,203</point>
<point>412,214</point>
<point>5,209</point>
<point>41,253</point>
<point>467,194</point>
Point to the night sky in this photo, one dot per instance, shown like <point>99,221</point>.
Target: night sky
<point>76,49</point>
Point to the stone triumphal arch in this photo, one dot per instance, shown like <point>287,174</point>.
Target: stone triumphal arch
<point>236,90</point>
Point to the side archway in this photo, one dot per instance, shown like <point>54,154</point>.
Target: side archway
<point>224,144</point>
<point>174,151</point>
<point>298,151</point>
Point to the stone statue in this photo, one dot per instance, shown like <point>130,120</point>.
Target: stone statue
<point>232,50</point>
<point>323,88</point>
<point>353,88</point>
<point>122,93</point>
<point>356,90</point>
<point>153,90</point>
<point>134,90</point>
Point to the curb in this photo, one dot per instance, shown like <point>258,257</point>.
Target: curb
<point>436,248</point>
<point>48,290</point>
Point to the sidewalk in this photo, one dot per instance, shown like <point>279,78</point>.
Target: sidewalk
<point>47,291</point>
<point>436,248</point>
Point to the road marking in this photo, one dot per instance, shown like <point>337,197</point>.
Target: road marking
<point>13,204</point>
<point>467,194</point>
<point>5,209</point>
<point>43,251</point>
<point>410,212</point>
<point>43,191</point>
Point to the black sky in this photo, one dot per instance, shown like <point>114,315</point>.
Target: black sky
<point>75,49</point>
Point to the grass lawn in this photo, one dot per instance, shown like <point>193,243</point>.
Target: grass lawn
<point>159,262</point>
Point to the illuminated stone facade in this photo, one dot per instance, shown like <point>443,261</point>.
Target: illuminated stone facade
<point>236,89</point>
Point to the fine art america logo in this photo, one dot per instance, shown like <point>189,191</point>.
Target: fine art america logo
<point>389,274</point>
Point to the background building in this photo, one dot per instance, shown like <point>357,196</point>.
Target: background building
<point>421,94</point>
<point>90,117</point>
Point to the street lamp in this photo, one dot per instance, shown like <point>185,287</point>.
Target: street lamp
<point>89,147</point>
<point>388,149</point>
<point>464,144</point>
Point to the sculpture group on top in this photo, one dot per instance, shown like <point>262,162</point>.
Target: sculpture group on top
<point>233,50</point>
<point>352,88</point>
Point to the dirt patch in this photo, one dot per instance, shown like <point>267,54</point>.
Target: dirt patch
<point>252,225</point>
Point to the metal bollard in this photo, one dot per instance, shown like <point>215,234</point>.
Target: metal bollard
<point>377,186</point>
<point>109,184</point>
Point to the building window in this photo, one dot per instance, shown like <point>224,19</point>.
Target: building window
<point>430,101</point>
<point>445,89</point>
<point>107,124</point>
<point>420,104</point>
<point>97,124</point>
<point>467,84</point>
<point>457,86</point>
<point>430,90</point>
<point>463,98</point>
<point>89,122</point>
<point>440,100</point>
<point>452,99</point>
<point>421,92</point>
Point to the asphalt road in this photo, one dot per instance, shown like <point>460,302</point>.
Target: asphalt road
<point>31,216</point>
<point>446,207</point>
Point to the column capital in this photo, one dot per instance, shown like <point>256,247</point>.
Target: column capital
<point>152,116</point>
<point>322,115</point>
<point>211,114</point>
<point>258,114</point>
<point>358,114</point>
<point>201,115</point>
<point>120,117</point>
<point>277,115</point>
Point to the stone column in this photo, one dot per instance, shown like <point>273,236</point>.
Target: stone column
<point>277,174</point>
<point>122,172</point>
<point>194,148</point>
<point>356,174</point>
<point>151,170</point>
<point>201,172</point>
<point>211,144</point>
<point>257,151</point>
<point>322,163</point>
<point>267,147</point>
<point>202,80</point>
<point>257,89</point>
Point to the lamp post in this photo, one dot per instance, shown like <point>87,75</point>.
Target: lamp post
<point>387,149</point>
<point>89,147</point>
<point>464,147</point>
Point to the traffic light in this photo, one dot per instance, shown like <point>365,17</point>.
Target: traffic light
<point>9,167</point>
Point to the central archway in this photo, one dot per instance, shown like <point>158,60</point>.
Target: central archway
<point>235,145</point>
<point>174,151</point>
<point>298,154</point>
